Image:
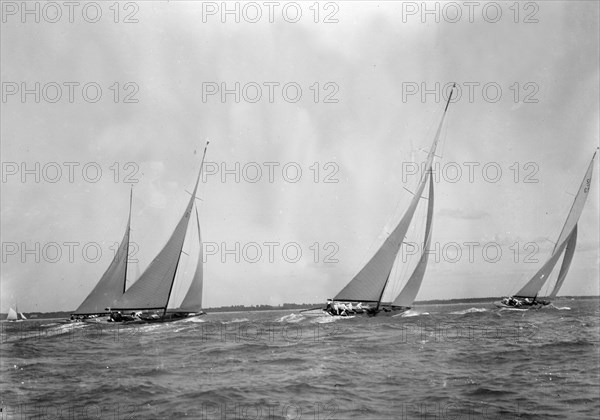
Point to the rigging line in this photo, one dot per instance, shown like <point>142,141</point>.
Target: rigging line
<point>445,134</point>
<point>197,198</point>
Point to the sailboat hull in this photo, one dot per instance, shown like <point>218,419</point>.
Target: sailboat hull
<point>521,304</point>
<point>384,310</point>
<point>168,317</point>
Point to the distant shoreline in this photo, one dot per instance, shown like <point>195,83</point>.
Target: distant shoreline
<point>291,306</point>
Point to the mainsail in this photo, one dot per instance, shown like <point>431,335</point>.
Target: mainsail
<point>192,301</point>
<point>566,240</point>
<point>112,283</point>
<point>370,282</point>
<point>153,289</point>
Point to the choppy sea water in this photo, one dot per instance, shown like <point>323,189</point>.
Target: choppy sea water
<point>450,361</point>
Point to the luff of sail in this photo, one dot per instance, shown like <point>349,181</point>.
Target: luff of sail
<point>370,282</point>
<point>153,289</point>
<point>111,285</point>
<point>192,301</point>
<point>564,268</point>
<point>408,294</point>
<point>533,286</point>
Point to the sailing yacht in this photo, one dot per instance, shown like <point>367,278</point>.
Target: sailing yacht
<point>15,315</point>
<point>527,297</point>
<point>364,293</point>
<point>148,298</point>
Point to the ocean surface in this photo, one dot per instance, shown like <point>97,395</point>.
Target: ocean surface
<point>451,361</point>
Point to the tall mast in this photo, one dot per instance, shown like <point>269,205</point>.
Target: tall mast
<point>179,256</point>
<point>424,177</point>
<point>128,238</point>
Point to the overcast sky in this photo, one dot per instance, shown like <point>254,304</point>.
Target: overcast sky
<point>357,120</point>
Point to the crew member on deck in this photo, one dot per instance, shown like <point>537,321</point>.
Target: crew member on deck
<point>328,308</point>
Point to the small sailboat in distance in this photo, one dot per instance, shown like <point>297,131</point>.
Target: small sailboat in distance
<point>364,293</point>
<point>527,297</point>
<point>15,315</point>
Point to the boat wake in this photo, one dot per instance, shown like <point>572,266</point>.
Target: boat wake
<point>559,308</point>
<point>513,309</point>
<point>469,311</point>
<point>236,321</point>
<point>327,319</point>
<point>409,314</point>
<point>292,318</point>
<point>193,319</point>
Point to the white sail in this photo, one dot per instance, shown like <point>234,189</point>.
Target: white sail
<point>370,282</point>
<point>22,316</point>
<point>408,294</point>
<point>111,285</point>
<point>567,235</point>
<point>12,315</point>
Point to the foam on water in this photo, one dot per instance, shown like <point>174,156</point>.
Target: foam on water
<point>469,311</point>
<point>236,321</point>
<point>195,319</point>
<point>410,313</point>
<point>560,308</point>
<point>292,318</point>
